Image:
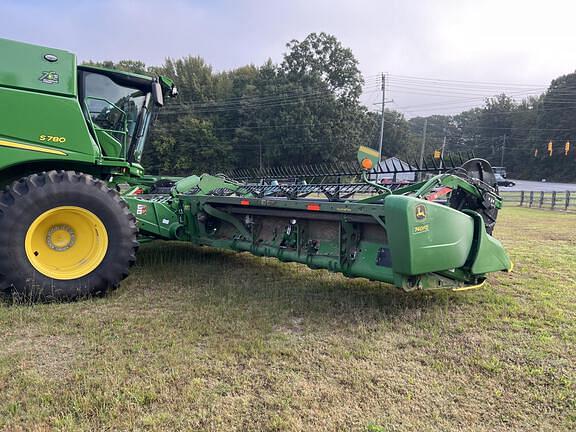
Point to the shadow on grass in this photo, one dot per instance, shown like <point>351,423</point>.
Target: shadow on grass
<point>256,282</point>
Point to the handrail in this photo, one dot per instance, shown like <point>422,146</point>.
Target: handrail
<point>123,132</point>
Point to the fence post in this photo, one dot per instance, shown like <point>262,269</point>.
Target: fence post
<point>567,203</point>
<point>553,200</point>
<point>541,203</point>
<point>521,198</point>
<point>531,199</point>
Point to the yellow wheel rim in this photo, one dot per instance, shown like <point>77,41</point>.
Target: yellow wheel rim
<point>66,243</point>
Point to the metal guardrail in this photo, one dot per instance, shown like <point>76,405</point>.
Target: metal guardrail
<point>554,200</point>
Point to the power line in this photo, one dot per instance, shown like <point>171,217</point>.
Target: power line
<point>261,99</point>
<point>184,109</point>
<point>464,81</point>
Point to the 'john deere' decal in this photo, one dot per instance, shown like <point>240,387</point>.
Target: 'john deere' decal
<point>49,77</point>
<point>420,212</point>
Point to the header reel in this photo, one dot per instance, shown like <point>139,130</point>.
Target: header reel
<point>459,183</point>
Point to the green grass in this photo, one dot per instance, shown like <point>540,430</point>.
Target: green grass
<point>197,339</point>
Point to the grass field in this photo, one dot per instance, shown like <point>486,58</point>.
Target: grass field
<point>197,339</point>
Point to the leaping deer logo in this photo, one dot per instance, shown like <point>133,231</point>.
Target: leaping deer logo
<point>421,212</point>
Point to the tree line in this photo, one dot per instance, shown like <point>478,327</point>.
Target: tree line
<point>307,110</point>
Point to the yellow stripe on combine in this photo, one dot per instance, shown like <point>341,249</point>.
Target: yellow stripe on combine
<point>369,150</point>
<point>470,287</point>
<point>31,148</point>
<point>511,267</point>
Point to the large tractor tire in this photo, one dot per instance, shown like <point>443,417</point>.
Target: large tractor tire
<point>63,235</point>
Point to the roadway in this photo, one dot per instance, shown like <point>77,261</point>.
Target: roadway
<point>525,185</point>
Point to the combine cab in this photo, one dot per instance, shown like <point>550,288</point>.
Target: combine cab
<point>72,136</point>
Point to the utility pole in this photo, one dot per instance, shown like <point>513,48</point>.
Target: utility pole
<point>382,122</point>
<point>260,155</point>
<point>503,148</point>
<point>442,151</point>
<point>421,161</point>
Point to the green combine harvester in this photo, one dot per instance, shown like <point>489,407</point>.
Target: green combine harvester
<point>76,201</point>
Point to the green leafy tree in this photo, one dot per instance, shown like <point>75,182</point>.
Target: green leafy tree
<point>321,56</point>
<point>192,149</point>
<point>397,139</point>
<point>193,77</point>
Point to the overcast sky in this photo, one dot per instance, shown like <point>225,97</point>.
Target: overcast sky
<point>513,42</point>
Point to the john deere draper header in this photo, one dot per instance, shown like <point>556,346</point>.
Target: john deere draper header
<point>71,138</point>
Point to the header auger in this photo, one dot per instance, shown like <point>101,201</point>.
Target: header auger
<point>72,136</point>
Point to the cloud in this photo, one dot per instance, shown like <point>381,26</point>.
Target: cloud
<point>511,41</point>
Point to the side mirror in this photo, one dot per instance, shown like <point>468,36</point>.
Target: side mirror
<point>157,93</point>
<point>168,86</point>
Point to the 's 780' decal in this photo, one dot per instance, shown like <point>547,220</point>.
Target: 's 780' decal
<point>52,138</point>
